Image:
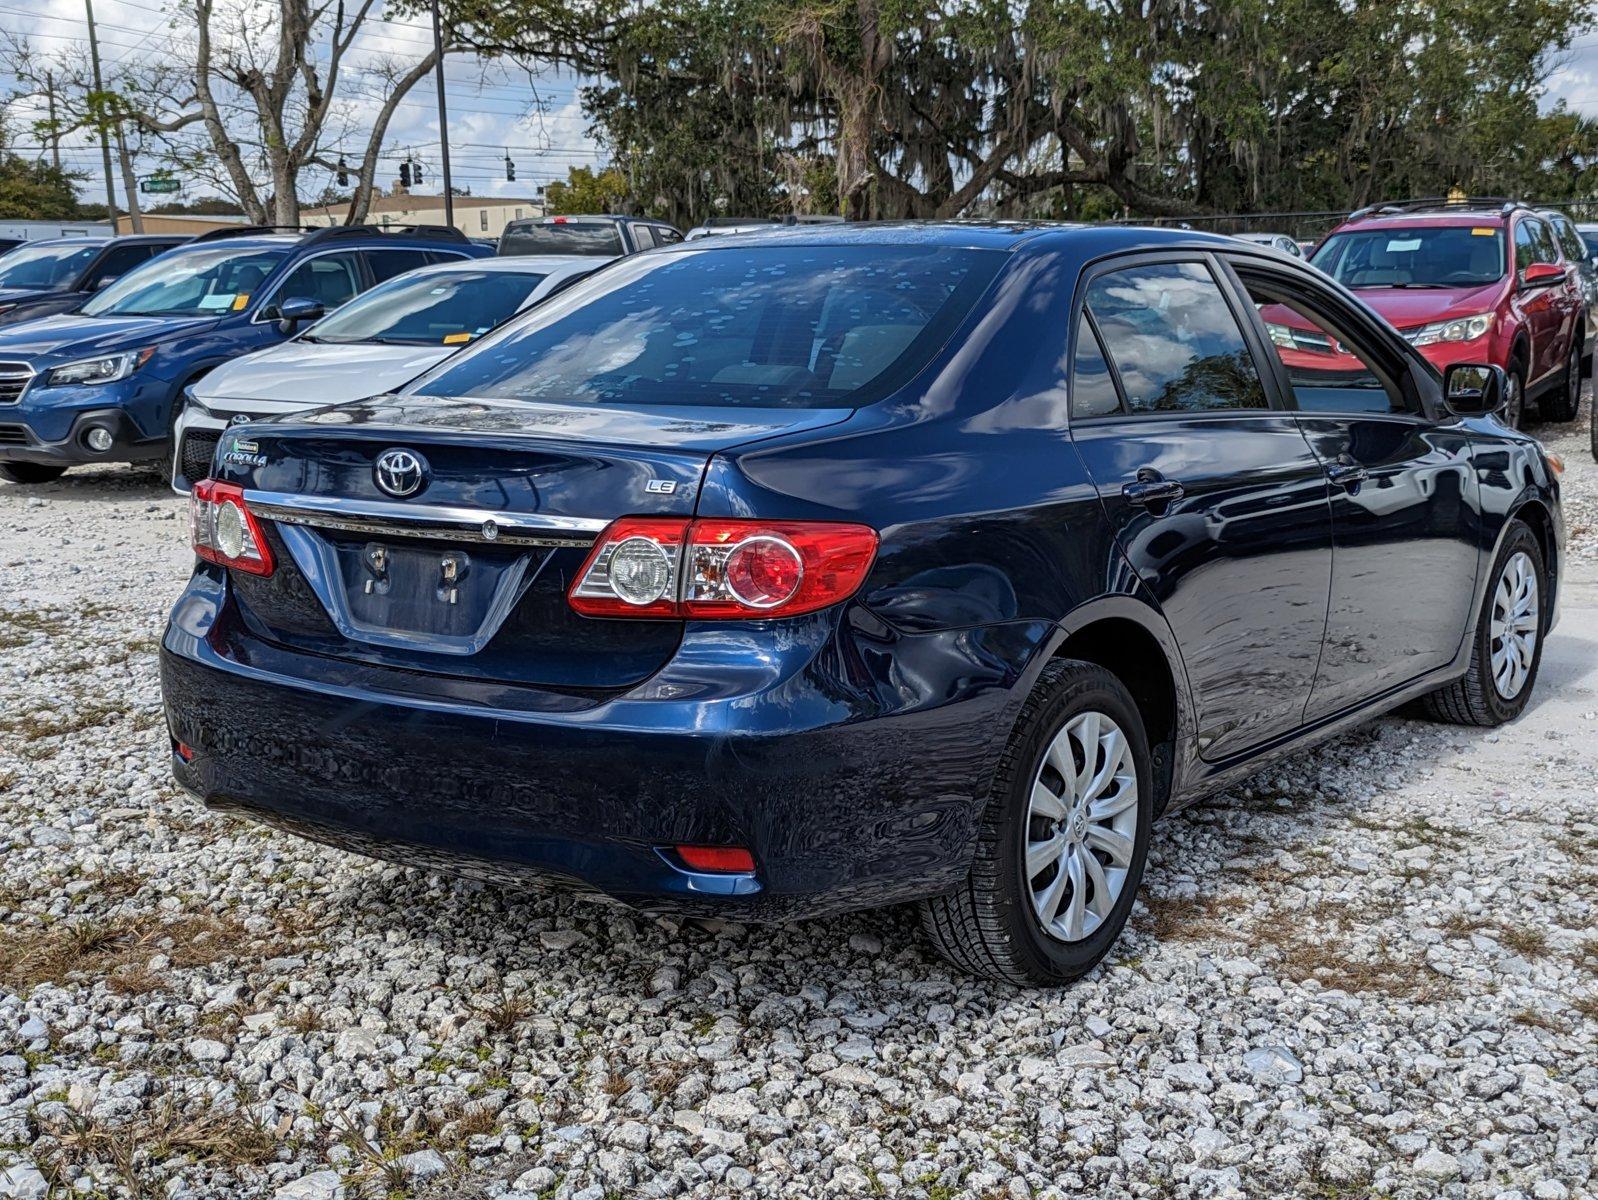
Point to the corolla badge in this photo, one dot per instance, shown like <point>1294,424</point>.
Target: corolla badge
<point>400,472</point>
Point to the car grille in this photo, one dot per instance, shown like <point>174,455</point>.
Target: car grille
<point>14,379</point>
<point>13,435</point>
<point>199,447</point>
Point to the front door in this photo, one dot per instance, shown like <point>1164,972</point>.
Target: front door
<point>1217,500</point>
<point>1402,488</point>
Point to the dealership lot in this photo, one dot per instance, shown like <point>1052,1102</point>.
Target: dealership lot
<point>1372,968</point>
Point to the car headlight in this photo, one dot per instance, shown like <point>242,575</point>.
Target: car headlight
<point>100,370</point>
<point>1459,329</point>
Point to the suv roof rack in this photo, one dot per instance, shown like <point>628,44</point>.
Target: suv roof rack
<point>1503,204</point>
<point>432,233</point>
<point>233,231</point>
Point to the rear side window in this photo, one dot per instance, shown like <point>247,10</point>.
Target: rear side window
<point>566,237</point>
<point>793,326</point>
<point>385,264</point>
<point>1569,240</point>
<point>1093,391</point>
<point>119,260</point>
<point>1174,341</point>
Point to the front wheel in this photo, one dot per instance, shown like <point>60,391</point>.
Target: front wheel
<point>21,472</point>
<point>1506,645</point>
<point>1063,837</point>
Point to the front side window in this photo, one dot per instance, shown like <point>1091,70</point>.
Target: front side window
<point>1442,256</point>
<point>791,326</point>
<point>1547,248</point>
<point>204,281</point>
<point>329,279</point>
<point>1525,244</point>
<point>1328,371</point>
<point>441,308</point>
<point>1173,339</point>
<point>45,268</point>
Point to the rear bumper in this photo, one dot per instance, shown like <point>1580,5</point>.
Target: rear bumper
<point>854,785</point>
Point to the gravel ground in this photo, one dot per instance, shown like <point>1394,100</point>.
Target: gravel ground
<point>1371,971</point>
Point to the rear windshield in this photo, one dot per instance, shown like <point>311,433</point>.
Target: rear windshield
<point>438,308</point>
<point>1439,257</point>
<point>46,267</point>
<point>567,237</point>
<point>791,326</point>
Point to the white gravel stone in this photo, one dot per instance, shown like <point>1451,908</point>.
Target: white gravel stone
<point>1420,1028</point>
<point>23,1182</point>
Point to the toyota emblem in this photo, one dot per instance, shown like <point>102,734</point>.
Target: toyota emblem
<point>400,473</point>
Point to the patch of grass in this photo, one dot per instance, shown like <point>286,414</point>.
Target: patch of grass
<point>1525,940</point>
<point>1190,918</point>
<point>1533,1019</point>
<point>503,1015</point>
<point>1308,951</point>
<point>120,949</point>
<point>1587,1006</point>
<point>212,1136</point>
<point>68,717</point>
<point>1460,927</point>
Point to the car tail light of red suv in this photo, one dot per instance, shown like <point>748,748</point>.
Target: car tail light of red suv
<point>716,568</point>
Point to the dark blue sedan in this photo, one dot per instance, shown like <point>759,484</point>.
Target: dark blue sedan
<point>846,566</point>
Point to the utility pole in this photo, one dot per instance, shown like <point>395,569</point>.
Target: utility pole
<point>443,118</point>
<point>130,186</point>
<point>105,142</point>
<point>55,132</point>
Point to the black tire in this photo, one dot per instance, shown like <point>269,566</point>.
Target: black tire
<point>1561,402</point>
<point>988,926</point>
<point>1474,698</point>
<point>1514,410</point>
<point>21,472</point>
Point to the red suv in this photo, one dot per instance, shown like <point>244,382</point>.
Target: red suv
<point>1472,281</point>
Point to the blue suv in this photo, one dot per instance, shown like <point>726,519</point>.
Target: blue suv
<point>104,384</point>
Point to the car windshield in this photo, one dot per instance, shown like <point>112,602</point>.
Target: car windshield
<point>45,267</point>
<point>782,326</point>
<point>438,308</point>
<point>1446,256</point>
<point>563,237</point>
<point>203,281</point>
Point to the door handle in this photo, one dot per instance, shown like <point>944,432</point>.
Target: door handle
<point>1152,490</point>
<point>1345,472</point>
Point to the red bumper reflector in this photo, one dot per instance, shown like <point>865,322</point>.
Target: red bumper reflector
<point>727,859</point>
<point>185,751</point>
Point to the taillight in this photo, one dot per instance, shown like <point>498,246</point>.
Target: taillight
<point>713,568</point>
<point>224,529</point>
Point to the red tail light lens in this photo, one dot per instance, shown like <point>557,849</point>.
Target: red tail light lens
<point>224,529</point>
<point>733,860</point>
<point>675,567</point>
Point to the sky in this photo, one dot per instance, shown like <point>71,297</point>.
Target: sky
<point>537,121</point>
<point>492,111</point>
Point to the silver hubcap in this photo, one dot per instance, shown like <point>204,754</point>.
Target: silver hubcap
<point>1081,825</point>
<point>1513,631</point>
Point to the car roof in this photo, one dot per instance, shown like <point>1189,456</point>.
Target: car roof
<point>1431,218</point>
<point>511,264</point>
<point>971,234</point>
<point>88,239</point>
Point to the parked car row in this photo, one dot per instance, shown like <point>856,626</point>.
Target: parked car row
<point>801,570</point>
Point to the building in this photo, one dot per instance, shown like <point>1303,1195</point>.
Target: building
<point>32,231</point>
<point>475,216</point>
<point>178,223</point>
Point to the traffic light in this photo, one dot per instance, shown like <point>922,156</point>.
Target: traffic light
<point>416,170</point>
<point>510,170</point>
<point>343,172</point>
<point>405,173</point>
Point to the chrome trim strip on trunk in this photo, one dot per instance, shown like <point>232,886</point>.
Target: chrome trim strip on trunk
<point>452,523</point>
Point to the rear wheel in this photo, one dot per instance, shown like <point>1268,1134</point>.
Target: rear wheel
<point>1560,403</point>
<point>1063,840</point>
<point>21,472</point>
<point>1507,642</point>
<point>1592,418</point>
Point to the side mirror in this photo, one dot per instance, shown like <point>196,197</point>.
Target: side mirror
<point>1541,274</point>
<point>296,311</point>
<point>1473,389</point>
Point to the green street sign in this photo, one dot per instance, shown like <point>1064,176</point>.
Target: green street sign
<point>159,184</point>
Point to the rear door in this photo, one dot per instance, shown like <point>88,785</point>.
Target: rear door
<point>1404,555</point>
<point>1541,305</point>
<point>1216,498</point>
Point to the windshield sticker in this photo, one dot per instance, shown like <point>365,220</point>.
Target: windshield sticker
<point>1402,245</point>
<point>239,301</point>
<point>215,303</point>
<point>1482,232</point>
<point>455,339</point>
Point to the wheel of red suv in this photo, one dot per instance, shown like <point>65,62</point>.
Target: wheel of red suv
<point>1064,836</point>
<point>1507,644</point>
<point>1593,421</point>
<point>1560,403</point>
<point>19,472</point>
<point>1515,395</point>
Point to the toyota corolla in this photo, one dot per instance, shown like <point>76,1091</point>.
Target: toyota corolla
<point>838,567</point>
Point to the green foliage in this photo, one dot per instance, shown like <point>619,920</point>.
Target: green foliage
<point>586,192</point>
<point>36,191</point>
